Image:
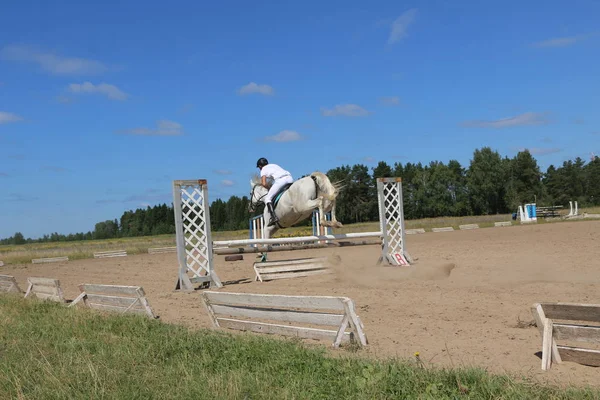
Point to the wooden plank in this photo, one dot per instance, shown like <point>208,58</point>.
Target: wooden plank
<point>503,223</point>
<point>577,333</point>
<point>159,250</point>
<point>445,229</point>
<point>46,289</point>
<point>306,317</point>
<point>114,301</point>
<point>110,289</point>
<point>273,300</point>
<point>285,268</point>
<point>118,309</point>
<point>414,231</point>
<point>468,226</point>
<point>49,260</point>
<point>288,275</point>
<point>547,341</point>
<point>581,356</point>
<point>49,296</point>
<point>43,281</point>
<point>284,330</point>
<point>107,254</point>
<point>540,317</point>
<point>296,261</point>
<point>8,284</point>
<point>572,311</point>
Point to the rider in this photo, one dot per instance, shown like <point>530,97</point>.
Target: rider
<point>280,176</point>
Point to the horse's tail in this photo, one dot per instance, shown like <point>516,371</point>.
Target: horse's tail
<point>327,189</point>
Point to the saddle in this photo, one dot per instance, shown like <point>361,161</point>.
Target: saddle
<point>280,193</point>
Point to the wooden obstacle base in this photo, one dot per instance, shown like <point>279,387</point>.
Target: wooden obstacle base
<point>503,223</point>
<point>283,269</point>
<point>112,253</point>
<point>251,311</point>
<point>49,260</point>
<point>546,316</point>
<point>8,284</point>
<point>415,231</point>
<point>445,229</point>
<point>468,227</point>
<point>161,250</point>
<point>45,289</point>
<point>115,298</point>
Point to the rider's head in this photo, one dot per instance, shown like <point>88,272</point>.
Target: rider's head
<point>261,162</point>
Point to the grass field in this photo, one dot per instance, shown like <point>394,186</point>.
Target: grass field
<point>12,254</point>
<point>51,352</point>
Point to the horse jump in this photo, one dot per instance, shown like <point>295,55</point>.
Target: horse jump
<point>195,245</point>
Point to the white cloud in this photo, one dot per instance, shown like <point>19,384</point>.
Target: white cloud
<point>528,118</point>
<point>227,182</point>
<point>346,110</point>
<point>6,117</point>
<point>111,91</point>
<point>53,63</point>
<point>540,151</point>
<point>284,136</point>
<point>256,88</point>
<point>401,24</point>
<point>164,128</point>
<point>390,100</point>
<point>222,171</point>
<point>561,41</point>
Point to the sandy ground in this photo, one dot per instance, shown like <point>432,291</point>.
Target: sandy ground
<point>461,304</point>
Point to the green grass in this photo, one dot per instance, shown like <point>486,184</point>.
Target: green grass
<point>10,254</point>
<point>50,352</point>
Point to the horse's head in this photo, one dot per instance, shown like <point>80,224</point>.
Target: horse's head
<point>257,192</point>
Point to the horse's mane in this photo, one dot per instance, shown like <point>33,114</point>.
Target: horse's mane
<point>255,179</point>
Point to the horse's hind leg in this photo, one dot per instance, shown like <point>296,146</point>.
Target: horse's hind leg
<point>334,222</point>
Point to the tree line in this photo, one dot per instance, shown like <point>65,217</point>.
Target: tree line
<point>490,184</point>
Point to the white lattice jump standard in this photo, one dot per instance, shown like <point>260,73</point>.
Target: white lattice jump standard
<point>250,312</point>
<point>110,253</point>
<point>49,260</point>
<point>195,248</point>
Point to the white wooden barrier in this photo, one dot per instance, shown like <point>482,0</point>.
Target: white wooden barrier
<point>161,250</point>
<point>1,263</point>
<point>115,298</point>
<point>326,311</point>
<point>445,229</point>
<point>195,245</point>
<point>111,253</point>
<point>49,260</point>
<point>503,223</point>
<point>8,284</point>
<point>468,227</point>
<point>45,289</point>
<point>415,231</point>
<point>283,269</point>
<point>547,316</point>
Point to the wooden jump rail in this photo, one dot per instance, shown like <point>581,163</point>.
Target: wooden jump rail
<point>546,316</point>
<point>115,298</point>
<point>45,289</point>
<point>8,284</point>
<point>161,250</point>
<point>324,311</point>
<point>49,260</point>
<point>111,253</point>
<point>283,269</point>
<point>468,227</point>
<point>444,229</point>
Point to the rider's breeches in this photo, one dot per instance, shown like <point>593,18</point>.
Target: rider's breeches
<point>277,185</point>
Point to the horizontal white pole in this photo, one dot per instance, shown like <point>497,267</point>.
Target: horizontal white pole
<point>245,242</point>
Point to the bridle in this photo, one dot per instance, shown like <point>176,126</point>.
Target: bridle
<point>251,207</point>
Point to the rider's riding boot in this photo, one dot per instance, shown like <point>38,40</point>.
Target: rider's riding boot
<point>274,218</point>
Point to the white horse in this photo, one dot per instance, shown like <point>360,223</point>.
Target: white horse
<point>298,202</point>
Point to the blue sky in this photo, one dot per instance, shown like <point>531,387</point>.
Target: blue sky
<point>103,105</point>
